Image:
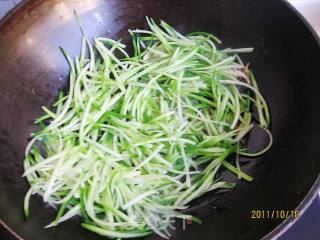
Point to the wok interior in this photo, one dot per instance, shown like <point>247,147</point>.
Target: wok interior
<point>285,63</point>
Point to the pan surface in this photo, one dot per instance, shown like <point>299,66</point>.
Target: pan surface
<point>285,61</point>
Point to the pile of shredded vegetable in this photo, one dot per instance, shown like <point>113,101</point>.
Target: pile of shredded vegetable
<point>137,138</point>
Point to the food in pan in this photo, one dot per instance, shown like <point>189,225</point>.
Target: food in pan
<point>138,137</point>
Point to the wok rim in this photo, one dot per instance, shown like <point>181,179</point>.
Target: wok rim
<point>281,228</point>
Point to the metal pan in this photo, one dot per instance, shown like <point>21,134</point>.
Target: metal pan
<point>286,63</point>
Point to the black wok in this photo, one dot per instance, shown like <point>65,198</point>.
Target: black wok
<point>286,63</point>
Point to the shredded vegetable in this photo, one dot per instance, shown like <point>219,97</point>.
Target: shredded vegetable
<point>137,138</point>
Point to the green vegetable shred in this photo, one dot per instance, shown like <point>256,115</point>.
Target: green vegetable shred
<point>138,137</point>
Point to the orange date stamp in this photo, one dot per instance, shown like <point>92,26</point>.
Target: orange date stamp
<point>274,214</point>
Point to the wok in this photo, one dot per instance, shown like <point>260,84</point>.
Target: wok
<point>286,64</point>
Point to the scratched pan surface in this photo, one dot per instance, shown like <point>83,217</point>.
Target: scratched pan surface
<point>286,63</point>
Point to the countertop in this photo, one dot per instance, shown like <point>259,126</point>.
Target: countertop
<point>310,9</point>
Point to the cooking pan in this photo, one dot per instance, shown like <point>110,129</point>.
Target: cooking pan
<point>286,64</point>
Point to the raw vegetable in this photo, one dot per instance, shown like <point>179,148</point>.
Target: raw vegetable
<point>137,138</point>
